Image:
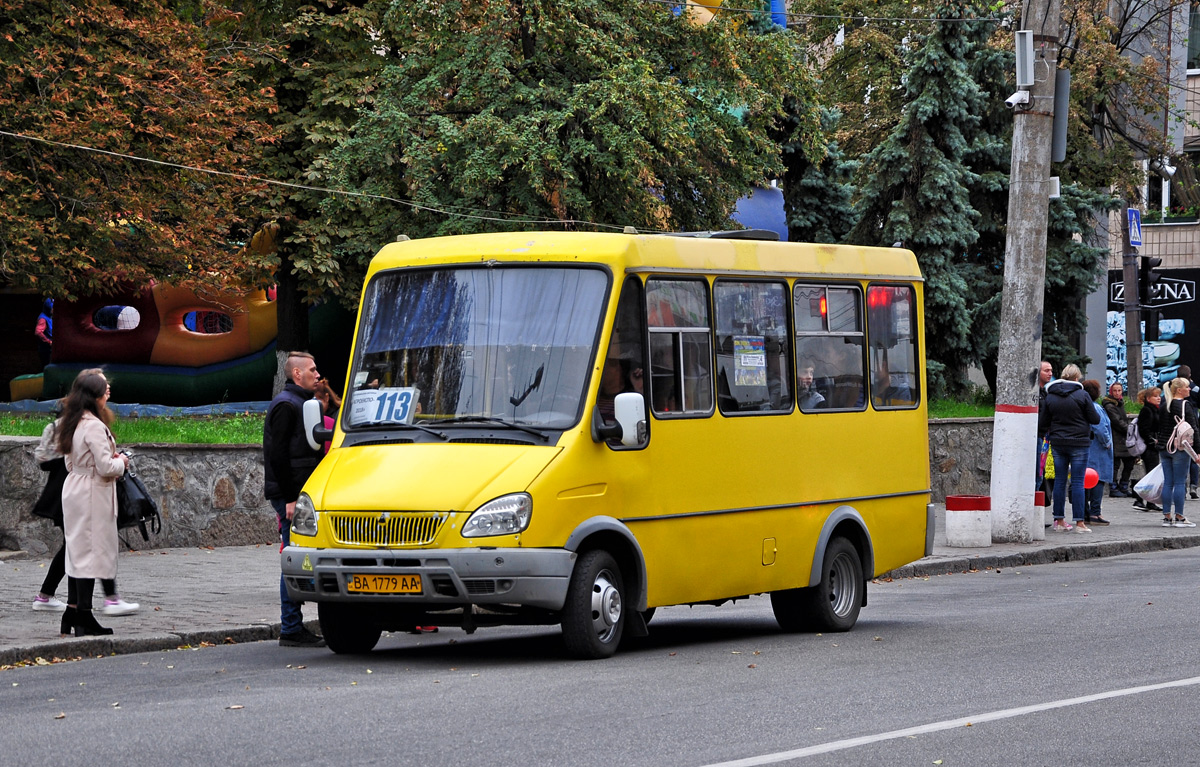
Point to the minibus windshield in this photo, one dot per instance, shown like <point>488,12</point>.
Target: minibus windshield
<point>469,345</point>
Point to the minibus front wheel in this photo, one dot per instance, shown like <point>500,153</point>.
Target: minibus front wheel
<point>593,618</point>
<point>348,629</point>
<point>831,605</point>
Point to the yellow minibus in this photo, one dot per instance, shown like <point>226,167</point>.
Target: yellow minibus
<point>576,428</point>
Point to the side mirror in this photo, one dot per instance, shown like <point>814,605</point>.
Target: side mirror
<point>314,425</point>
<point>629,410</point>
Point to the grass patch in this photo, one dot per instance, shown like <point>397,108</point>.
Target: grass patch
<point>950,408</point>
<point>241,429</point>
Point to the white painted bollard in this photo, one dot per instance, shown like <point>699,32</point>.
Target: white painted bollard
<point>968,521</point>
<point>1037,516</point>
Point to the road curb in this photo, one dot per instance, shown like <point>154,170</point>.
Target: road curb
<point>119,645</point>
<point>943,565</point>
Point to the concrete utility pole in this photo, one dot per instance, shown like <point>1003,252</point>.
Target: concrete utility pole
<point>1014,436</point>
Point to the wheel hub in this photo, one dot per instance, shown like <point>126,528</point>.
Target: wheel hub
<point>606,605</point>
<point>843,589</point>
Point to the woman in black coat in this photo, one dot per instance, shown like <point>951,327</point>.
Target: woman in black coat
<point>1147,423</point>
<point>1123,460</point>
<point>1067,420</point>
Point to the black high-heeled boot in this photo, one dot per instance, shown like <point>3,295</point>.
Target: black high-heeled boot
<point>68,621</point>
<point>86,625</point>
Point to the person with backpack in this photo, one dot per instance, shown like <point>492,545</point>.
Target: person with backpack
<point>1067,419</point>
<point>1147,426</point>
<point>1124,459</point>
<point>1177,438</point>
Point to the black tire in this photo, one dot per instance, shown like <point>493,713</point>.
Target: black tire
<point>593,618</point>
<point>347,629</point>
<point>831,605</point>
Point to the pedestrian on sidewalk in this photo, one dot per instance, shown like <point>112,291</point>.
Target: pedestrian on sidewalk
<point>1123,460</point>
<point>1147,423</point>
<point>1067,418</point>
<point>1045,376</point>
<point>1100,457</point>
<point>49,506</point>
<point>1194,397</point>
<point>1176,457</point>
<point>89,496</point>
<point>288,460</point>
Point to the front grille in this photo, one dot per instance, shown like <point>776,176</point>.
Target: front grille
<point>393,528</point>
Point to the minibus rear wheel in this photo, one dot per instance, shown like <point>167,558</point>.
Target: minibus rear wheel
<point>347,629</point>
<point>593,618</point>
<point>831,605</point>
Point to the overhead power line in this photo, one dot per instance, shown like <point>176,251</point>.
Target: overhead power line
<point>479,214</point>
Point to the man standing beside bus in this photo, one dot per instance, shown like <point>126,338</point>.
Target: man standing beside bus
<point>288,460</point>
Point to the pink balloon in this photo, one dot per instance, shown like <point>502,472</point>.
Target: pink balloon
<point>1090,478</point>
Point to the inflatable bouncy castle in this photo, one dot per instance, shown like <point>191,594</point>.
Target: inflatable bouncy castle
<point>167,345</point>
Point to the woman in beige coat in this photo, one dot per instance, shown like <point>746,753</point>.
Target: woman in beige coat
<point>89,496</point>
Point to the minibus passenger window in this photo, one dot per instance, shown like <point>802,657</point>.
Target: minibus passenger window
<point>680,347</point>
<point>893,351</point>
<point>753,354</point>
<point>829,348</point>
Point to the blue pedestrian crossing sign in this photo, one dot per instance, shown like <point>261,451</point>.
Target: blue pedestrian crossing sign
<point>1135,227</point>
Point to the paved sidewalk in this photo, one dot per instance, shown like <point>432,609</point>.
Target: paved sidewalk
<point>231,594</point>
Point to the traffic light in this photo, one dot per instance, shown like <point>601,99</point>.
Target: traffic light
<point>1148,277</point>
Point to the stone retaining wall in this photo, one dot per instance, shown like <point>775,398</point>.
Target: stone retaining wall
<point>212,495</point>
<point>208,495</point>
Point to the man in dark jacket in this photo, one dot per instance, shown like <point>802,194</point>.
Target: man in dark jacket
<point>288,460</point>
<point>1067,421</point>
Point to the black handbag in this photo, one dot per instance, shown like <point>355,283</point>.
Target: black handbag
<point>135,507</point>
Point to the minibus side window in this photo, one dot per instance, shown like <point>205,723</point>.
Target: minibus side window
<point>753,354</point>
<point>830,347</point>
<point>680,347</point>
<point>891,330</point>
<point>624,367</point>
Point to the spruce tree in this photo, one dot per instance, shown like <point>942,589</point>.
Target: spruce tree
<point>918,189</point>
<point>817,195</point>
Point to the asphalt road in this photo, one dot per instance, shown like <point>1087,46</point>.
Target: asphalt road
<point>1088,663</point>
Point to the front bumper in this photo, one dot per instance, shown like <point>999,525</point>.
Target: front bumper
<point>449,577</point>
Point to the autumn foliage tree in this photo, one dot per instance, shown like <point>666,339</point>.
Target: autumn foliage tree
<point>84,88</point>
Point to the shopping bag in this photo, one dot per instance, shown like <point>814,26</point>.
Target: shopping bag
<point>1150,487</point>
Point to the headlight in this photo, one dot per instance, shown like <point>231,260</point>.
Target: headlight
<point>505,515</point>
<point>304,519</point>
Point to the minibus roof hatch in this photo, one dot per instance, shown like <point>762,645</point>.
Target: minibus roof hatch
<point>732,234</point>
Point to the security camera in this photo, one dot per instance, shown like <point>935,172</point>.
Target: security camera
<point>1162,167</point>
<point>1020,97</point>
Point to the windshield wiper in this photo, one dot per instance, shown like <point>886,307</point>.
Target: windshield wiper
<point>491,419</point>
<point>425,429</point>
